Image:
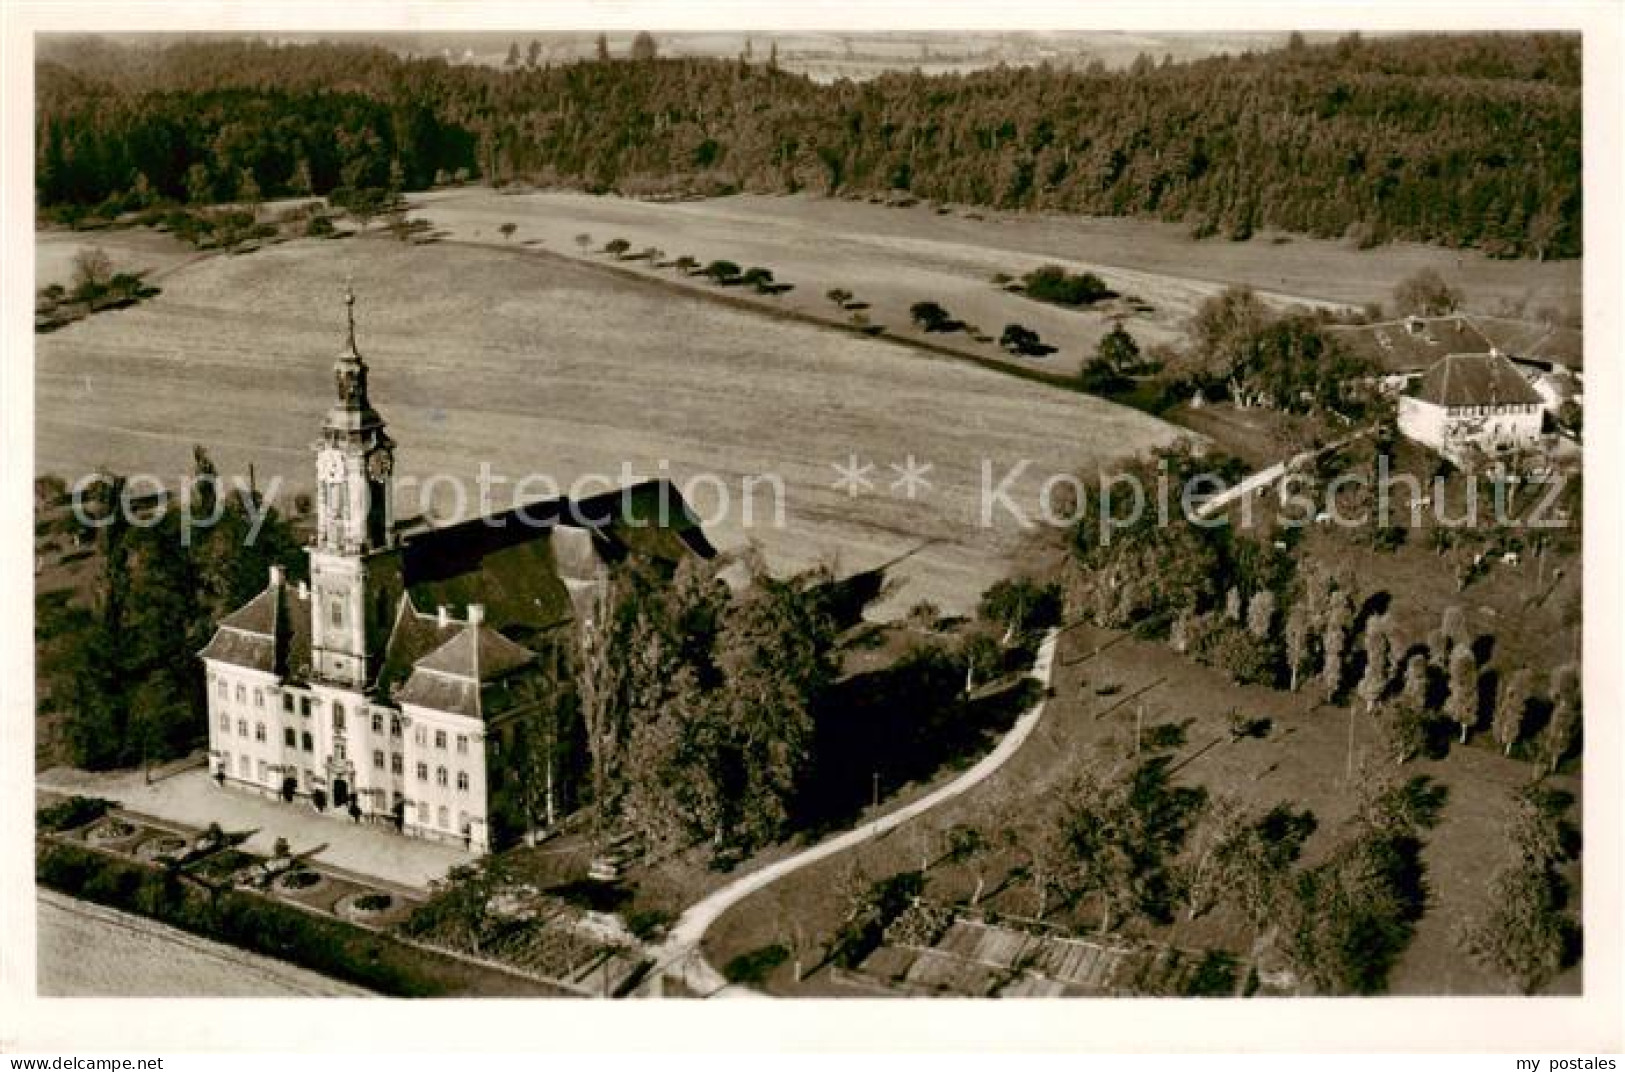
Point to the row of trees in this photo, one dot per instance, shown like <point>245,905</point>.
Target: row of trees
<point>1381,139</point>
<point>697,705</point>
<point>1241,604</point>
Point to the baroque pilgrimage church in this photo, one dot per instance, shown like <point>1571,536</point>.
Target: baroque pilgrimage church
<point>396,686</point>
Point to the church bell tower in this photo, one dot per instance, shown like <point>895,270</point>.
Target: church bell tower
<point>354,519</point>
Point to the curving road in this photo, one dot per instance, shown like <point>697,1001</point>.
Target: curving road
<point>680,954</point>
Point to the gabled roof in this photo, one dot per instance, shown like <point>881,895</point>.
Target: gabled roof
<point>521,565</point>
<point>468,675</point>
<point>1475,380</point>
<point>1410,344</point>
<point>413,637</point>
<point>269,633</point>
<point>478,653</point>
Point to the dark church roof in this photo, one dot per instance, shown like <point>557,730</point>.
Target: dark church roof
<point>1475,380</point>
<point>518,565</point>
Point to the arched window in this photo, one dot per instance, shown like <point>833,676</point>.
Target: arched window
<point>462,781</point>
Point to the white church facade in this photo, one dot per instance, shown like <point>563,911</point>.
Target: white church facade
<point>395,686</point>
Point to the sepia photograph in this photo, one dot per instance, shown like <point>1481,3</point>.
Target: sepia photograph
<point>868,515</point>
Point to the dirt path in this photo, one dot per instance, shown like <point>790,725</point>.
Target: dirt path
<point>681,953</point>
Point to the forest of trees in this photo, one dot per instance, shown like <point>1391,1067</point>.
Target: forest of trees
<point>1463,140</point>
<point>126,670</point>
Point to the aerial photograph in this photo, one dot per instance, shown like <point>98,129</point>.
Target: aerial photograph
<point>876,515</point>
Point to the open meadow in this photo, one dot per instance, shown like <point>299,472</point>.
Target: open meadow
<point>536,366</point>
<point>890,258</point>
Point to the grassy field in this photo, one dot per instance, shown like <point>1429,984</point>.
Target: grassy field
<point>130,250</point>
<point>892,257</point>
<point>511,358</point>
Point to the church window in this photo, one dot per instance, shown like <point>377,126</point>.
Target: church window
<point>462,781</point>
<point>259,732</point>
<point>440,739</point>
<point>440,776</point>
<point>289,738</point>
<point>462,744</point>
<point>378,758</point>
<point>423,772</point>
<point>396,763</point>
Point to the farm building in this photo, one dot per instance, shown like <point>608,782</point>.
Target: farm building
<point>394,686</point>
<point>1478,400</point>
<point>1406,348</point>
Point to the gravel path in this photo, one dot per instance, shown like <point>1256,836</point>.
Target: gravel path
<point>681,950</point>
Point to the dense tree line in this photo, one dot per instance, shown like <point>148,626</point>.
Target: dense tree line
<point>128,673</point>
<point>1470,141</point>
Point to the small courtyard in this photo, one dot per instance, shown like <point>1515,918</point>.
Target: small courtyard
<point>191,798</point>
